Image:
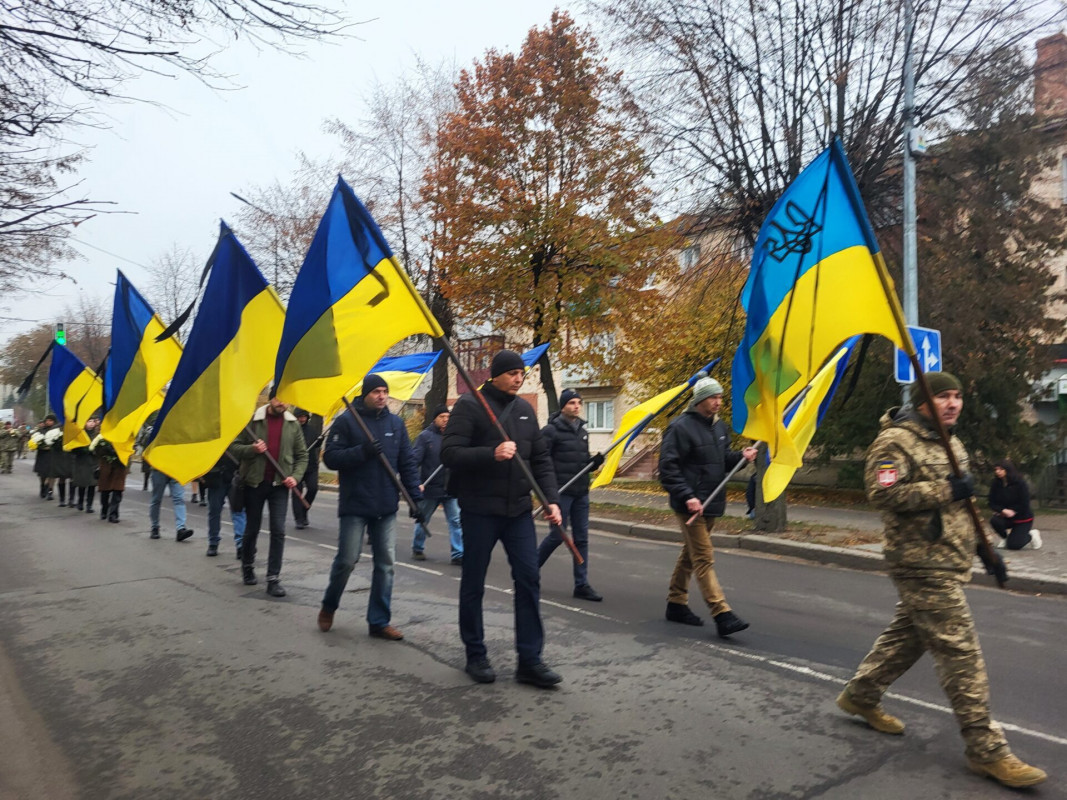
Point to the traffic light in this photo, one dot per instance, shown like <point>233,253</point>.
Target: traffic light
<point>61,333</point>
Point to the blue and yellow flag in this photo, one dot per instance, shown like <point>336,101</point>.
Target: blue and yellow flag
<point>74,392</point>
<point>817,278</point>
<point>804,416</point>
<point>532,356</point>
<point>636,420</point>
<point>138,368</point>
<point>227,361</point>
<point>402,373</point>
<point>351,302</point>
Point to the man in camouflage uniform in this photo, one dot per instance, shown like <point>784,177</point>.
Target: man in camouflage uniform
<point>9,443</point>
<point>930,542</point>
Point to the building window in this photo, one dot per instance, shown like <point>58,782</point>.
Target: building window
<point>600,415</point>
<point>689,257</point>
<point>1063,179</point>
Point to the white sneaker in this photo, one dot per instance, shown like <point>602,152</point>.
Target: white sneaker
<point>1002,544</point>
<point>1035,540</point>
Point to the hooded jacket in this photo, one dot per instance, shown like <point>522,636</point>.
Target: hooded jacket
<point>906,477</point>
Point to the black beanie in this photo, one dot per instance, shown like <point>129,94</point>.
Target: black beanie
<point>938,382</point>
<point>371,382</point>
<point>442,409</point>
<point>506,361</point>
<point>567,395</point>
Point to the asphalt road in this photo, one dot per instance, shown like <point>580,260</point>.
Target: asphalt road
<point>133,668</point>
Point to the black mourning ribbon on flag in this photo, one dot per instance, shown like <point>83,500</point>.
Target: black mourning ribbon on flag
<point>175,326</point>
<point>24,387</point>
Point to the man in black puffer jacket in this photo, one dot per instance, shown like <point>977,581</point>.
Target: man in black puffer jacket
<point>693,460</point>
<point>494,503</point>
<point>568,444</point>
<point>368,501</point>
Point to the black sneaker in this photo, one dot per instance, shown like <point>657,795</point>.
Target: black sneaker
<point>728,622</point>
<point>418,555</point>
<point>154,534</point>
<point>537,675</point>
<point>248,575</point>
<point>275,588</point>
<point>679,612</point>
<point>212,549</point>
<point>183,534</point>
<point>480,670</point>
<point>587,592</point>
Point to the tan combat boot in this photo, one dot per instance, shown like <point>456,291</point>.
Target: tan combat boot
<point>876,717</point>
<point>1009,771</point>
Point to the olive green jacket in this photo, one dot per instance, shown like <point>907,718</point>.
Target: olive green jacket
<point>292,455</point>
<point>906,476</point>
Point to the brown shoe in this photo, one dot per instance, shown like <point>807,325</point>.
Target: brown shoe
<point>387,632</point>
<point>876,717</point>
<point>325,620</point>
<point>1009,771</point>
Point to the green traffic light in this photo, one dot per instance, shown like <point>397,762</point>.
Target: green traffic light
<point>61,335</point>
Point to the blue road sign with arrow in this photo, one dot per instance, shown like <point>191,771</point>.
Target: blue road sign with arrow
<point>928,344</point>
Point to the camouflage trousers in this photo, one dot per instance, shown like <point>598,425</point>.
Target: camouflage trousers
<point>7,458</point>
<point>933,616</point>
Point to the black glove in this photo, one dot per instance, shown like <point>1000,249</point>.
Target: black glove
<point>994,564</point>
<point>962,487</point>
<point>374,448</point>
<point>598,461</point>
<point>416,515</point>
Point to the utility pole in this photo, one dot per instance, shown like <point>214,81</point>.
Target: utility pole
<point>910,265</point>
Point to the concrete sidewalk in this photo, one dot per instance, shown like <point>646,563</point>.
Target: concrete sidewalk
<point>1041,571</point>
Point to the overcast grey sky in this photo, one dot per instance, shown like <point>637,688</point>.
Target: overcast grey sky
<point>173,168</point>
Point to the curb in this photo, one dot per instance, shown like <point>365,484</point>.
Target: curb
<point>817,553</point>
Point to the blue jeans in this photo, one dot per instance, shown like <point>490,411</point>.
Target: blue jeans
<point>216,497</point>
<point>481,532</point>
<point>575,512</point>
<point>381,531</point>
<point>160,482</point>
<point>455,530</point>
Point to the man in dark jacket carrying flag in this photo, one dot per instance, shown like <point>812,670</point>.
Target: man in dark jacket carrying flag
<point>693,460</point>
<point>568,445</point>
<point>494,502</point>
<point>368,501</point>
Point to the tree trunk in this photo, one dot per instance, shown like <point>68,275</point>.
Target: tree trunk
<point>438,394</point>
<point>770,517</point>
<point>548,383</point>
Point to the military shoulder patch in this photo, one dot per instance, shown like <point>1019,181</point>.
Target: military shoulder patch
<point>887,473</point>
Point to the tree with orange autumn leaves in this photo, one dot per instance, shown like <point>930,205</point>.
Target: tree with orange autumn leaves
<point>542,209</point>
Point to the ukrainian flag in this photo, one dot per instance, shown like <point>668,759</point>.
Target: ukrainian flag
<point>803,418</point>
<point>74,392</point>
<point>138,368</point>
<point>817,278</point>
<point>402,373</point>
<point>531,357</point>
<point>351,302</point>
<point>637,419</point>
<point>227,361</point>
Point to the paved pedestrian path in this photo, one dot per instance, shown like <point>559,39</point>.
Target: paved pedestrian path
<point>1037,571</point>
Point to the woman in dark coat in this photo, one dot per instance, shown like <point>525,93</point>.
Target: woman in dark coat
<point>112,480</point>
<point>44,441</point>
<point>83,474</point>
<point>1013,518</point>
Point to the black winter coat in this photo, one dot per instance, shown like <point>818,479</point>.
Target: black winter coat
<point>1015,495</point>
<point>693,460</point>
<point>427,449</point>
<point>569,448</point>
<point>366,490</point>
<point>482,484</point>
